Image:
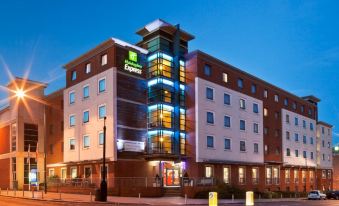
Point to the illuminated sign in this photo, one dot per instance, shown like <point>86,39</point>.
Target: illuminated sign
<point>131,64</point>
<point>130,146</point>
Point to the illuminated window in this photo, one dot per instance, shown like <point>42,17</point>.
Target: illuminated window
<point>255,175</point>
<point>225,77</point>
<point>88,68</point>
<point>208,171</point>
<point>287,175</point>
<point>103,59</point>
<point>226,175</point>
<point>276,98</point>
<point>241,175</point>
<point>265,112</point>
<point>265,93</point>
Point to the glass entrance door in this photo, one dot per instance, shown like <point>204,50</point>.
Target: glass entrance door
<point>172,177</point>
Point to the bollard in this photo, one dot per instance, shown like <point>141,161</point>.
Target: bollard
<point>139,195</point>
<point>42,194</point>
<point>249,198</point>
<point>185,199</point>
<point>90,194</point>
<point>33,193</point>
<point>232,197</point>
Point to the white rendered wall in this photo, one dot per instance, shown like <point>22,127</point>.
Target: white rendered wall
<point>95,125</point>
<point>326,149</point>
<point>218,153</point>
<point>300,146</point>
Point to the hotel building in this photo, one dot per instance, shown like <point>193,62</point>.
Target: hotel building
<point>172,113</point>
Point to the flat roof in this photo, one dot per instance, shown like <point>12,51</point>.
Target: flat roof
<point>100,47</point>
<point>325,124</point>
<point>19,79</point>
<point>160,24</point>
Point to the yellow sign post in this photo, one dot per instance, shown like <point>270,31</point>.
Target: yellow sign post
<point>213,199</point>
<point>249,198</point>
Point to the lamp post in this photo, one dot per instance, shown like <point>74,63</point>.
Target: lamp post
<point>103,185</point>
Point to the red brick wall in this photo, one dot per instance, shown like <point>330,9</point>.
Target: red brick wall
<point>336,172</point>
<point>5,173</point>
<point>5,140</point>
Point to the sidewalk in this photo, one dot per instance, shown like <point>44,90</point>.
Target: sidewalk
<point>50,196</point>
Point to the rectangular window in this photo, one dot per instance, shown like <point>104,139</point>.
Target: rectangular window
<point>227,174</point>
<point>311,126</point>
<point>276,98</point>
<point>286,102</point>
<point>304,154</point>
<point>101,138</point>
<point>240,83</point>
<point>102,111</point>
<point>208,171</point>
<point>209,93</point>
<point>103,59</point>
<point>287,118</point>
<point>242,125</point>
<point>255,175</point>
<point>304,124</point>
<point>253,88</point>
<point>74,75</point>
<point>71,144</point>
<point>227,99</point>
<point>287,135</point>
<point>207,70</point>
<point>102,85</point>
<point>304,139</point>
<point>86,92</point>
<point>225,77</point>
<point>302,108</point>
<point>265,93</point>
<point>74,172</point>
<point>265,112</point>
<point>296,152</point>
<point>242,104</point>
<point>88,68</point>
<point>311,140</point>
<point>322,130</point>
<point>72,120</point>
<point>227,121</point>
<point>296,122</point>
<point>242,146</point>
<point>72,97</point>
<point>287,176</point>
<point>241,172</point>
<point>323,174</point>
<point>210,142</point>
<point>210,117</point>
<point>311,155</point>
<point>85,117</point>
<point>255,108</point>
<point>86,142</point>
<point>227,144</point>
<point>288,152</point>
<point>296,137</point>
<point>256,148</point>
<point>296,175</point>
<point>256,128</point>
<point>294,105</point>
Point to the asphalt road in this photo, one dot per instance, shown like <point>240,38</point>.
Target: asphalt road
<point>7,201</point>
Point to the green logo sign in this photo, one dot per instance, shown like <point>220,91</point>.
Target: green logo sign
<point>132,56</point>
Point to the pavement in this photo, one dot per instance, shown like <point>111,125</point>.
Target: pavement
<point>78,199</point>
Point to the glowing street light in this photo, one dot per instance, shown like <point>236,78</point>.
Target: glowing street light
<point>19,93</point>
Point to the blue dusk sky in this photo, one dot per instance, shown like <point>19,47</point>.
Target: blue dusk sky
<point>292,44</point>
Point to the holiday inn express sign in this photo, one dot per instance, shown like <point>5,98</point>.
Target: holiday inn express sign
<point>131,64</point>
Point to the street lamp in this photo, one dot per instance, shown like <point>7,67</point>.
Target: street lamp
<point>103,185</point>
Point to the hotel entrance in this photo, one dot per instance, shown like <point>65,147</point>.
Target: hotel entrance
<point>172,173</point>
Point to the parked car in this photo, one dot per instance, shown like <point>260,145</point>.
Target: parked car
<point>332,195</point>
<point>316,195</point>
